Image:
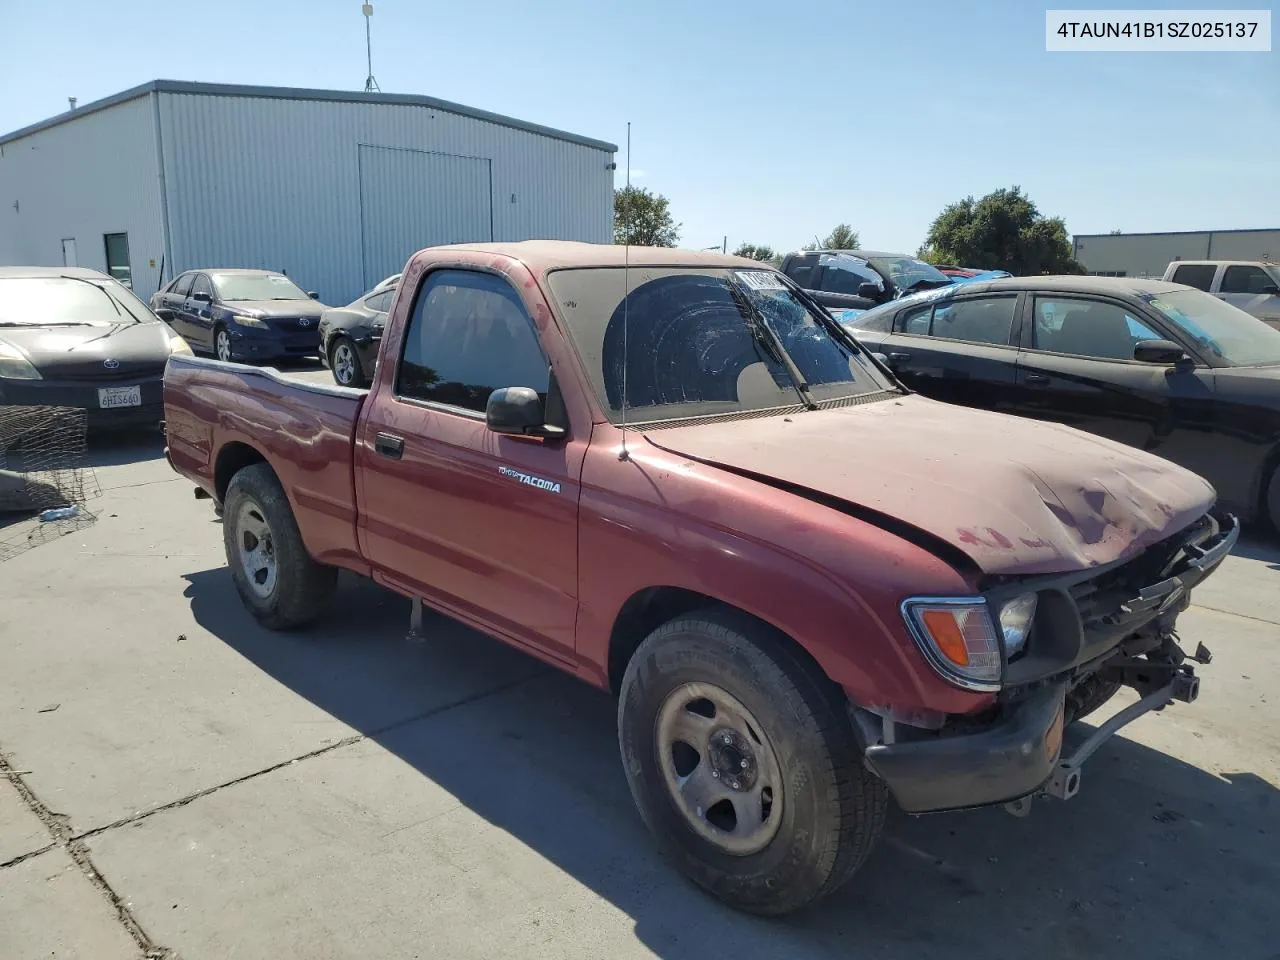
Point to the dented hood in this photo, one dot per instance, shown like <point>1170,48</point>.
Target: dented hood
<point>1015,495</point>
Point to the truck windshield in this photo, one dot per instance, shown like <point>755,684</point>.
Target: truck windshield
<point>256,286</point>
<point>1225,331</point>
<point>908,272</point>
<point>702,342</point>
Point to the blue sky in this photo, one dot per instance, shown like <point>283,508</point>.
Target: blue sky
<point>767,122</point>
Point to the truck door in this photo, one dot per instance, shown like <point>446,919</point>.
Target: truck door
<point>1255,291</point>
<point>482,525</point>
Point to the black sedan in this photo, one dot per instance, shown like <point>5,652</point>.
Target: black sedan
<point>252,315</point>
<point>72,337</point>
<point>1155,365</point>
<point>349,336</point>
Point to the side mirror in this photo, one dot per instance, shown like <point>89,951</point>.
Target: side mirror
<point>202,297</point>
<point>1158,351</point>
<point>517,411</point>
<point>313,295</point>
<point>869,291</point>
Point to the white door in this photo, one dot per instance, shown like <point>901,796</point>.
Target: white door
<point>69,253</point>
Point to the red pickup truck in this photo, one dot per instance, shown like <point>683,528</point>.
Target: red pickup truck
<point>672,474</point>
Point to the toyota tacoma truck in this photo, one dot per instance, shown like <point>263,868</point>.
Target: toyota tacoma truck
<point>673,475</point>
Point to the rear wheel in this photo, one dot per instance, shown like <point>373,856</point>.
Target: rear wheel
<point>344,362</point>
<point>743,764</point>
<point>222,344</point>
<point>1273,500</point>
<point>279,582</point>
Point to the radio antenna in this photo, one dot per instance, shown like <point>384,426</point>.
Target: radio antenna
<point>626,302</point>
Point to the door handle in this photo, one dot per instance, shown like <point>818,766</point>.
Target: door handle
<point>1038,379</point>
<point>899,357</point>
<point>389,446</point>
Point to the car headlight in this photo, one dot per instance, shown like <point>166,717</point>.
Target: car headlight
<point>177,345</point>
<point>15,366</point>
<point>958,639</point>
<point>247,321</point>
<point>1016,618</point>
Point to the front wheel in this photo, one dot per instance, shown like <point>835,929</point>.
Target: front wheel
<point>344,362</point>
<point>278,581</point>
<point>222,344</point>
<point>743,763</point>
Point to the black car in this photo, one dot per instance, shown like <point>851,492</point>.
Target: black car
<point>1155,365</point>
<point>71,337</point>
<point>252,315</point>
<point>349,336</point>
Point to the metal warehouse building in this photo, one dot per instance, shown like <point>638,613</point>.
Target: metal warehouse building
<point>337,189</point>
<point>1148,254</point>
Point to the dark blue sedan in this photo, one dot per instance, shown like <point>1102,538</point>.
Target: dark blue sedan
<point>252,315</point>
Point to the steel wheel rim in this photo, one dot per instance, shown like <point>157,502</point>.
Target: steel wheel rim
<point>720,770</point>
<point>223,345</point>
<point>256,546</point>
<point>344,363</point>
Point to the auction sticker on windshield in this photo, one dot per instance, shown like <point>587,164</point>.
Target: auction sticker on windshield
<point>760,279</point>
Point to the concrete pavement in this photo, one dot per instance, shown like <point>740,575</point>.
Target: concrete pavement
<point>179,782</point>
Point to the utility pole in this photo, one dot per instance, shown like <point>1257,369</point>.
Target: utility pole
<point>370,84</point>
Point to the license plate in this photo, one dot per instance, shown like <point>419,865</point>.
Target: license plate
<point>111,397</point>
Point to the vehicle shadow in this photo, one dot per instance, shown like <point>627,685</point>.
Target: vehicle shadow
<point>1154,857</point>
<point>1259,545</point>
<point>118,448</point>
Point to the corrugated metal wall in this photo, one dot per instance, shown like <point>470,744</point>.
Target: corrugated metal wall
<point>410,199</point>
<point>1148,254</point>
<point>264,182</point>
<point>91,176</point>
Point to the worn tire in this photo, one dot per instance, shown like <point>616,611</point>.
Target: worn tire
<point>833,809</point>
<point>1089,695</point>
<point>302,586</point>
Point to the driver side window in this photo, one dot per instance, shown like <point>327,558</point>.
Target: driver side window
<point>202,285</point>
<point>843,275</point>
<point>1088,328</point>
<point>469,335</point>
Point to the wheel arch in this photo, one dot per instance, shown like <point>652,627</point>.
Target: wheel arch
<point>232,458</point>
<point>650,607</point>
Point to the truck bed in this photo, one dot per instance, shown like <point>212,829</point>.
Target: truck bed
<point>220,416</point>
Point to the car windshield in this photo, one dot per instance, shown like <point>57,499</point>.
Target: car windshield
<point>256,286</point>
<point>906,272</point>
<point>67,302</point>
<point>702,342</point>
<point>1225,331</point>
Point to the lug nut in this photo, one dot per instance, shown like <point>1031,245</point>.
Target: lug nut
<point>715,774</point>
<point>742,764</point>
<point>728,738</point>
<point>734,784</point>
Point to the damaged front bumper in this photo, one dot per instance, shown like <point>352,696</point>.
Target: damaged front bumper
<point>1015,752</point>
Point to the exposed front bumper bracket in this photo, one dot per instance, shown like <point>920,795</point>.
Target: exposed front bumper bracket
<point>1064,782</point>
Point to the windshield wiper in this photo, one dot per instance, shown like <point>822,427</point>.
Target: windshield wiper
<point>52,323</point>
<point>764,335</point>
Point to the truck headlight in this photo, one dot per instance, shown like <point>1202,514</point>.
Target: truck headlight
<point>958,639</point>
<point>14,365</point>
<point>247,321</point>
<point>1016,618</point>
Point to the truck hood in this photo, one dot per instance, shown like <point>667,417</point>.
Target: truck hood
<point>1017,496</point>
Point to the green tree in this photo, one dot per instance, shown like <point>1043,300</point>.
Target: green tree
<point>643,219</point>
<point>753,251</point>
<point>1001,231</point>
<point>843,237</point>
